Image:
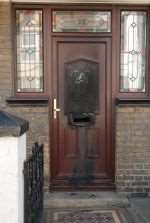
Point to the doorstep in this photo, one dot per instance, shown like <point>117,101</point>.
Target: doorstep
<point>85,200</point>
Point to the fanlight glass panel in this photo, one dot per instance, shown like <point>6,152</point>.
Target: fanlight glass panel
<point>29,51</point>
<point>81,21</point>
<point>133,51</point>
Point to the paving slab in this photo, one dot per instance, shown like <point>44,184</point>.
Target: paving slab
<point>141,207</point>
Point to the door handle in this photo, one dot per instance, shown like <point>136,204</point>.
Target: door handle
<point>55,109</point>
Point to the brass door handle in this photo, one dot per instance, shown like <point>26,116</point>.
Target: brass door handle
<point>55,109</point>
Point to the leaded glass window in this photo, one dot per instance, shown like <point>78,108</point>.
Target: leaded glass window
<point>81,21</point>
<point>29,51</point>
<point>133,51</point>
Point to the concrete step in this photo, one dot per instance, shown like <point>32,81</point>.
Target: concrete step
<point>85,199</point>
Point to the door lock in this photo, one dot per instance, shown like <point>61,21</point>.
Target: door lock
<point>55,109</point>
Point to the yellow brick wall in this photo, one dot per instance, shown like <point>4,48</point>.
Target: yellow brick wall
<point>133,148</point>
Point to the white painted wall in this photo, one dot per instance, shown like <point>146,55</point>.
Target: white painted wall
<point>12,156</point>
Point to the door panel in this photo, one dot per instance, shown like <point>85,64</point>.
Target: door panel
<point>81,155</point>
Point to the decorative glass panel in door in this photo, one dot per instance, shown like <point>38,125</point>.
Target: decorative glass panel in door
<point>81,21</point>
<point>133,51</point>
<point>29,51</point>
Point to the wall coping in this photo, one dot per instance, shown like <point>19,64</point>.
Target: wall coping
<point>82,1</point>
<point>11,125</point>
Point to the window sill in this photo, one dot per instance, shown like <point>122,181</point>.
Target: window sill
<point>132,101</point>
<point>28,100</point>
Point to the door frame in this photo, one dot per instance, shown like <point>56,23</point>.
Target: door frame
<point>108,117</point>
<point>110,80</point>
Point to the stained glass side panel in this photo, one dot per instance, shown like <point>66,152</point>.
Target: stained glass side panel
<point>29,51</point>
<point>81,21</point>
<point>133,51</point>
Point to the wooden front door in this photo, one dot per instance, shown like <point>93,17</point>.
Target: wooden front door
<point>81,154</point>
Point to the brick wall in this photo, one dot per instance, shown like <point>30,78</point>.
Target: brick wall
<point>37,116</point>
<point>132,123</point>
<point>133,149</point>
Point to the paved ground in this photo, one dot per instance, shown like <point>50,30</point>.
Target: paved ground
<point>99,207</point>
<point>141,206</point>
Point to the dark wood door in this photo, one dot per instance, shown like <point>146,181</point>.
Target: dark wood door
<point>81,155</point>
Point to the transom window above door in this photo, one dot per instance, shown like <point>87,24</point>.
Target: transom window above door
<point>81,21</point>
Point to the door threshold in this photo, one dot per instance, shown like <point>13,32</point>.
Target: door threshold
<point>98,186</point>
<point>85,199</point>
